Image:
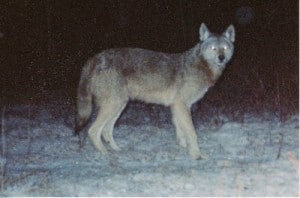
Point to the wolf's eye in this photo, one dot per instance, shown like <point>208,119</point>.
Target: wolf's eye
<point>213,48</point>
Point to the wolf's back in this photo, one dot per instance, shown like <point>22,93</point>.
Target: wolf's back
<point>84,97</point>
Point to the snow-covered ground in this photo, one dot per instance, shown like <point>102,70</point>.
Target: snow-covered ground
<point>41,157</point>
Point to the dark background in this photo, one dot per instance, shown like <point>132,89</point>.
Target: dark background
<point>44,45</point>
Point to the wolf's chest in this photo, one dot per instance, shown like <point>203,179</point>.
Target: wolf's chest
<point>194,90</point>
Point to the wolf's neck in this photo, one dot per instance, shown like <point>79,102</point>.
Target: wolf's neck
<point>193,60</point>
<point>211,71</point>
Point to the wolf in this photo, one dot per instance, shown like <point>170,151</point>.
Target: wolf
<point>113,77</point>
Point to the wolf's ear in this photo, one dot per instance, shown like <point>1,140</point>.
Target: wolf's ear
<point>230,33</point>
<point>203,32</point>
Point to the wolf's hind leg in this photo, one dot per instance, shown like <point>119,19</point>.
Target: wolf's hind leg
<point>95,131</point>
<point>108,128</point>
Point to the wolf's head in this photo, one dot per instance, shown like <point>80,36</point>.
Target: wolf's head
<point>216,49</point>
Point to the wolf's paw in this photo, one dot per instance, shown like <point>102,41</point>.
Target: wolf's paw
<point>115,147</point>
<point>198,156</point>
<point>100,147</point>
<point>103,151</point>
<point>182,142</point>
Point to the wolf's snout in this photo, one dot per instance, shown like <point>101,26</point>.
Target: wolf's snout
<point>221,58</point>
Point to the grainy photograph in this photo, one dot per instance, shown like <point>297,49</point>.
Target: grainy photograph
<point>149,98</point>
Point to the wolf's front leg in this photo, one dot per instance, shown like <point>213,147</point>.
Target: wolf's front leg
<point>181,139</point>
<point>182,116</point>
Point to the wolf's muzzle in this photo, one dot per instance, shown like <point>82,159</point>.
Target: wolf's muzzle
<point>221,58</point>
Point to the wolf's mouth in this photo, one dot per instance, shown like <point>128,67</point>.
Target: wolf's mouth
<point>221,64</point>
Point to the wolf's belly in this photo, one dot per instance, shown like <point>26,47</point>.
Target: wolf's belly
<point>162,95</point>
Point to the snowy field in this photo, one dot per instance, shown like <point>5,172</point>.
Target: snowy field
<point>41,157</point>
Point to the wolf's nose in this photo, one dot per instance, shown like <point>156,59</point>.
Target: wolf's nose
<point>221,57</point>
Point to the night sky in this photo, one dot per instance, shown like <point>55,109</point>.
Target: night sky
<point>44,44</point>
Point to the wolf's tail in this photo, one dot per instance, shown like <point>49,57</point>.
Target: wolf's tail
<point>84,98</point>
